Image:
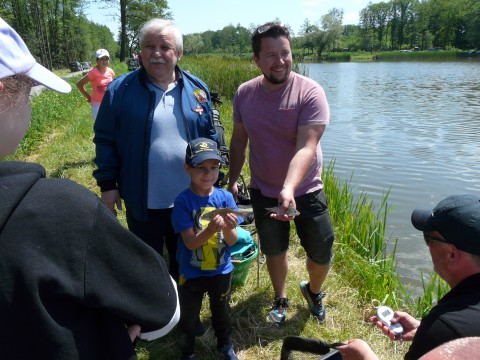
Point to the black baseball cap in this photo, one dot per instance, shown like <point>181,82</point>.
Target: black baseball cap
<point>202,149</point>
<point>456,218</point>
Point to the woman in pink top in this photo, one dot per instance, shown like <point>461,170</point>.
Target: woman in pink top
<point>100,76</point>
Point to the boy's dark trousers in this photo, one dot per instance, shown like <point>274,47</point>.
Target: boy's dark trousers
<point>191,294</point>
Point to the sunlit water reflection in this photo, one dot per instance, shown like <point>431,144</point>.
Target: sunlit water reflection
<point>411,127</point>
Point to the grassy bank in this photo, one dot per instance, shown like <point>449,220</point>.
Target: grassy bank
<point>61,139</point>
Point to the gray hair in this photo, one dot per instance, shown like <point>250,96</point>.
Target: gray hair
<point>162,25</point>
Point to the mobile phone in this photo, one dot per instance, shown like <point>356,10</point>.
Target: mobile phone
<point>385,315</point>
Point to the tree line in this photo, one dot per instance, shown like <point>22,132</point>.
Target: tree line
<point>389,25</point>
<point>58,32</point>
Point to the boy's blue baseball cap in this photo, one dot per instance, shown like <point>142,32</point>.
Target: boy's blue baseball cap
<point>456,218</point>
<point>202,149</point>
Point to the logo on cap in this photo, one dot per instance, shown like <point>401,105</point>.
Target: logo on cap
<point>202,149</point>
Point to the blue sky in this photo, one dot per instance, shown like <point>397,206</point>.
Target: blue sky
<point>200,16</point>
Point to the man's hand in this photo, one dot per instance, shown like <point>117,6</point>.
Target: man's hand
<point>111,199</point>
<point>134,332</point>
<point>408,322</point>
<point>286,201</point>
<point>357,349</point>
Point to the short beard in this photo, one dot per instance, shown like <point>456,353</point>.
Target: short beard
<point>277,81</point>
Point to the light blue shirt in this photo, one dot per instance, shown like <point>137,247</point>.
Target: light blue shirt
<point>168,142</point>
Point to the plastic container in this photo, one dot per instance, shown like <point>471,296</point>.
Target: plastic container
<point>242,253</point>
<point>242,265</point>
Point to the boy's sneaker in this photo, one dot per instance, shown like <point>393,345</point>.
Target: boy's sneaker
<point>279,311</point>
<point>227,353</point>
<point>314,301</point>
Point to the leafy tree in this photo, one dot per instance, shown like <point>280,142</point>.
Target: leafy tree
<point>401,13</point>
<point>473,25</point>
<point>351,37</point>
<point>138,11</point>
<point>423,37</point>
<point>368,26</point>
<point>308,33</point>
<point>193,43</point>
<point>330,31</point>
<point>445,20</point>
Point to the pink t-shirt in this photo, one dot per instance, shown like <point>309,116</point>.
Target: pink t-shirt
<point>99,82</point>
<point>271,120</point>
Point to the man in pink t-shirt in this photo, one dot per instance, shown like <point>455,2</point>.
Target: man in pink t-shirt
<point>100,76</point>
<point>282,115</point>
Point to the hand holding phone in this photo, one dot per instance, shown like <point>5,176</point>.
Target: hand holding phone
<point>385,315</point>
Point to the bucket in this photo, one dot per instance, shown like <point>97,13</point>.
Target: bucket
<point>241,263</point>
<point>242,253</point>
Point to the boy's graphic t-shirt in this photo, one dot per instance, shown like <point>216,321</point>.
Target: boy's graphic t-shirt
<point>191,211</point>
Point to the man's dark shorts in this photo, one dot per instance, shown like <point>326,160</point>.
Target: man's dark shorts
<point>314,226</point>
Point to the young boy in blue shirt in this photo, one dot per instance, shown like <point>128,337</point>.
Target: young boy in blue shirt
<point>203,250</point>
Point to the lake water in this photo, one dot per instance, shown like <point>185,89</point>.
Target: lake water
<point>411,127</point>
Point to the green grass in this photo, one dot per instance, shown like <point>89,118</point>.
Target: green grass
<point>60,139</point>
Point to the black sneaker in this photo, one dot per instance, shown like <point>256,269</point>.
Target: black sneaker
<point>227,353</point>
<point>314,302</point>
<point>279,311</point>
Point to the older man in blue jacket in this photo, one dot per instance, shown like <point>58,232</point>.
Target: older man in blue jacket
<point>145,121</point>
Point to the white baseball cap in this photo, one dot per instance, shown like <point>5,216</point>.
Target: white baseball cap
<point>101,53</point>
<point>15,58</point>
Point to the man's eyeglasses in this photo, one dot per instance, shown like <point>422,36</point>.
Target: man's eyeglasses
<point>267,27</point>
<point>429,239</point>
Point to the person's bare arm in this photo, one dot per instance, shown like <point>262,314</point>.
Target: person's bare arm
<point>81,86</point>
<point>308,137</point>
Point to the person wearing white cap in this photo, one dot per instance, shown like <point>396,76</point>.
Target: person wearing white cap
<point>100,76</point>
<point>74,283</point>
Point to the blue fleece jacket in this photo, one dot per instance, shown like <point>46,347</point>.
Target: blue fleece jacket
<point>123,127</point>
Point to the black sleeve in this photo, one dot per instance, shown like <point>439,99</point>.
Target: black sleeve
<point>126,277</point>
<point>430,334</point>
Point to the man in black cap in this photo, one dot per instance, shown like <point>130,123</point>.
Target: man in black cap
<point>452,233</point>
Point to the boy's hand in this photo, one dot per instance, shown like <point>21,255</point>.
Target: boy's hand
<point>230,220</point>
<point>216,224</point>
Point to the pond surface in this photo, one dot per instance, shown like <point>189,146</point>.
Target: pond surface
<point>411,127</point>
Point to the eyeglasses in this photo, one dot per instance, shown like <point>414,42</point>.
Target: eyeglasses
<point>267,27</point>
<point>429,239</point>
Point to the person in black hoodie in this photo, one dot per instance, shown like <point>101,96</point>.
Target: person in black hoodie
<point>74,283</point>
